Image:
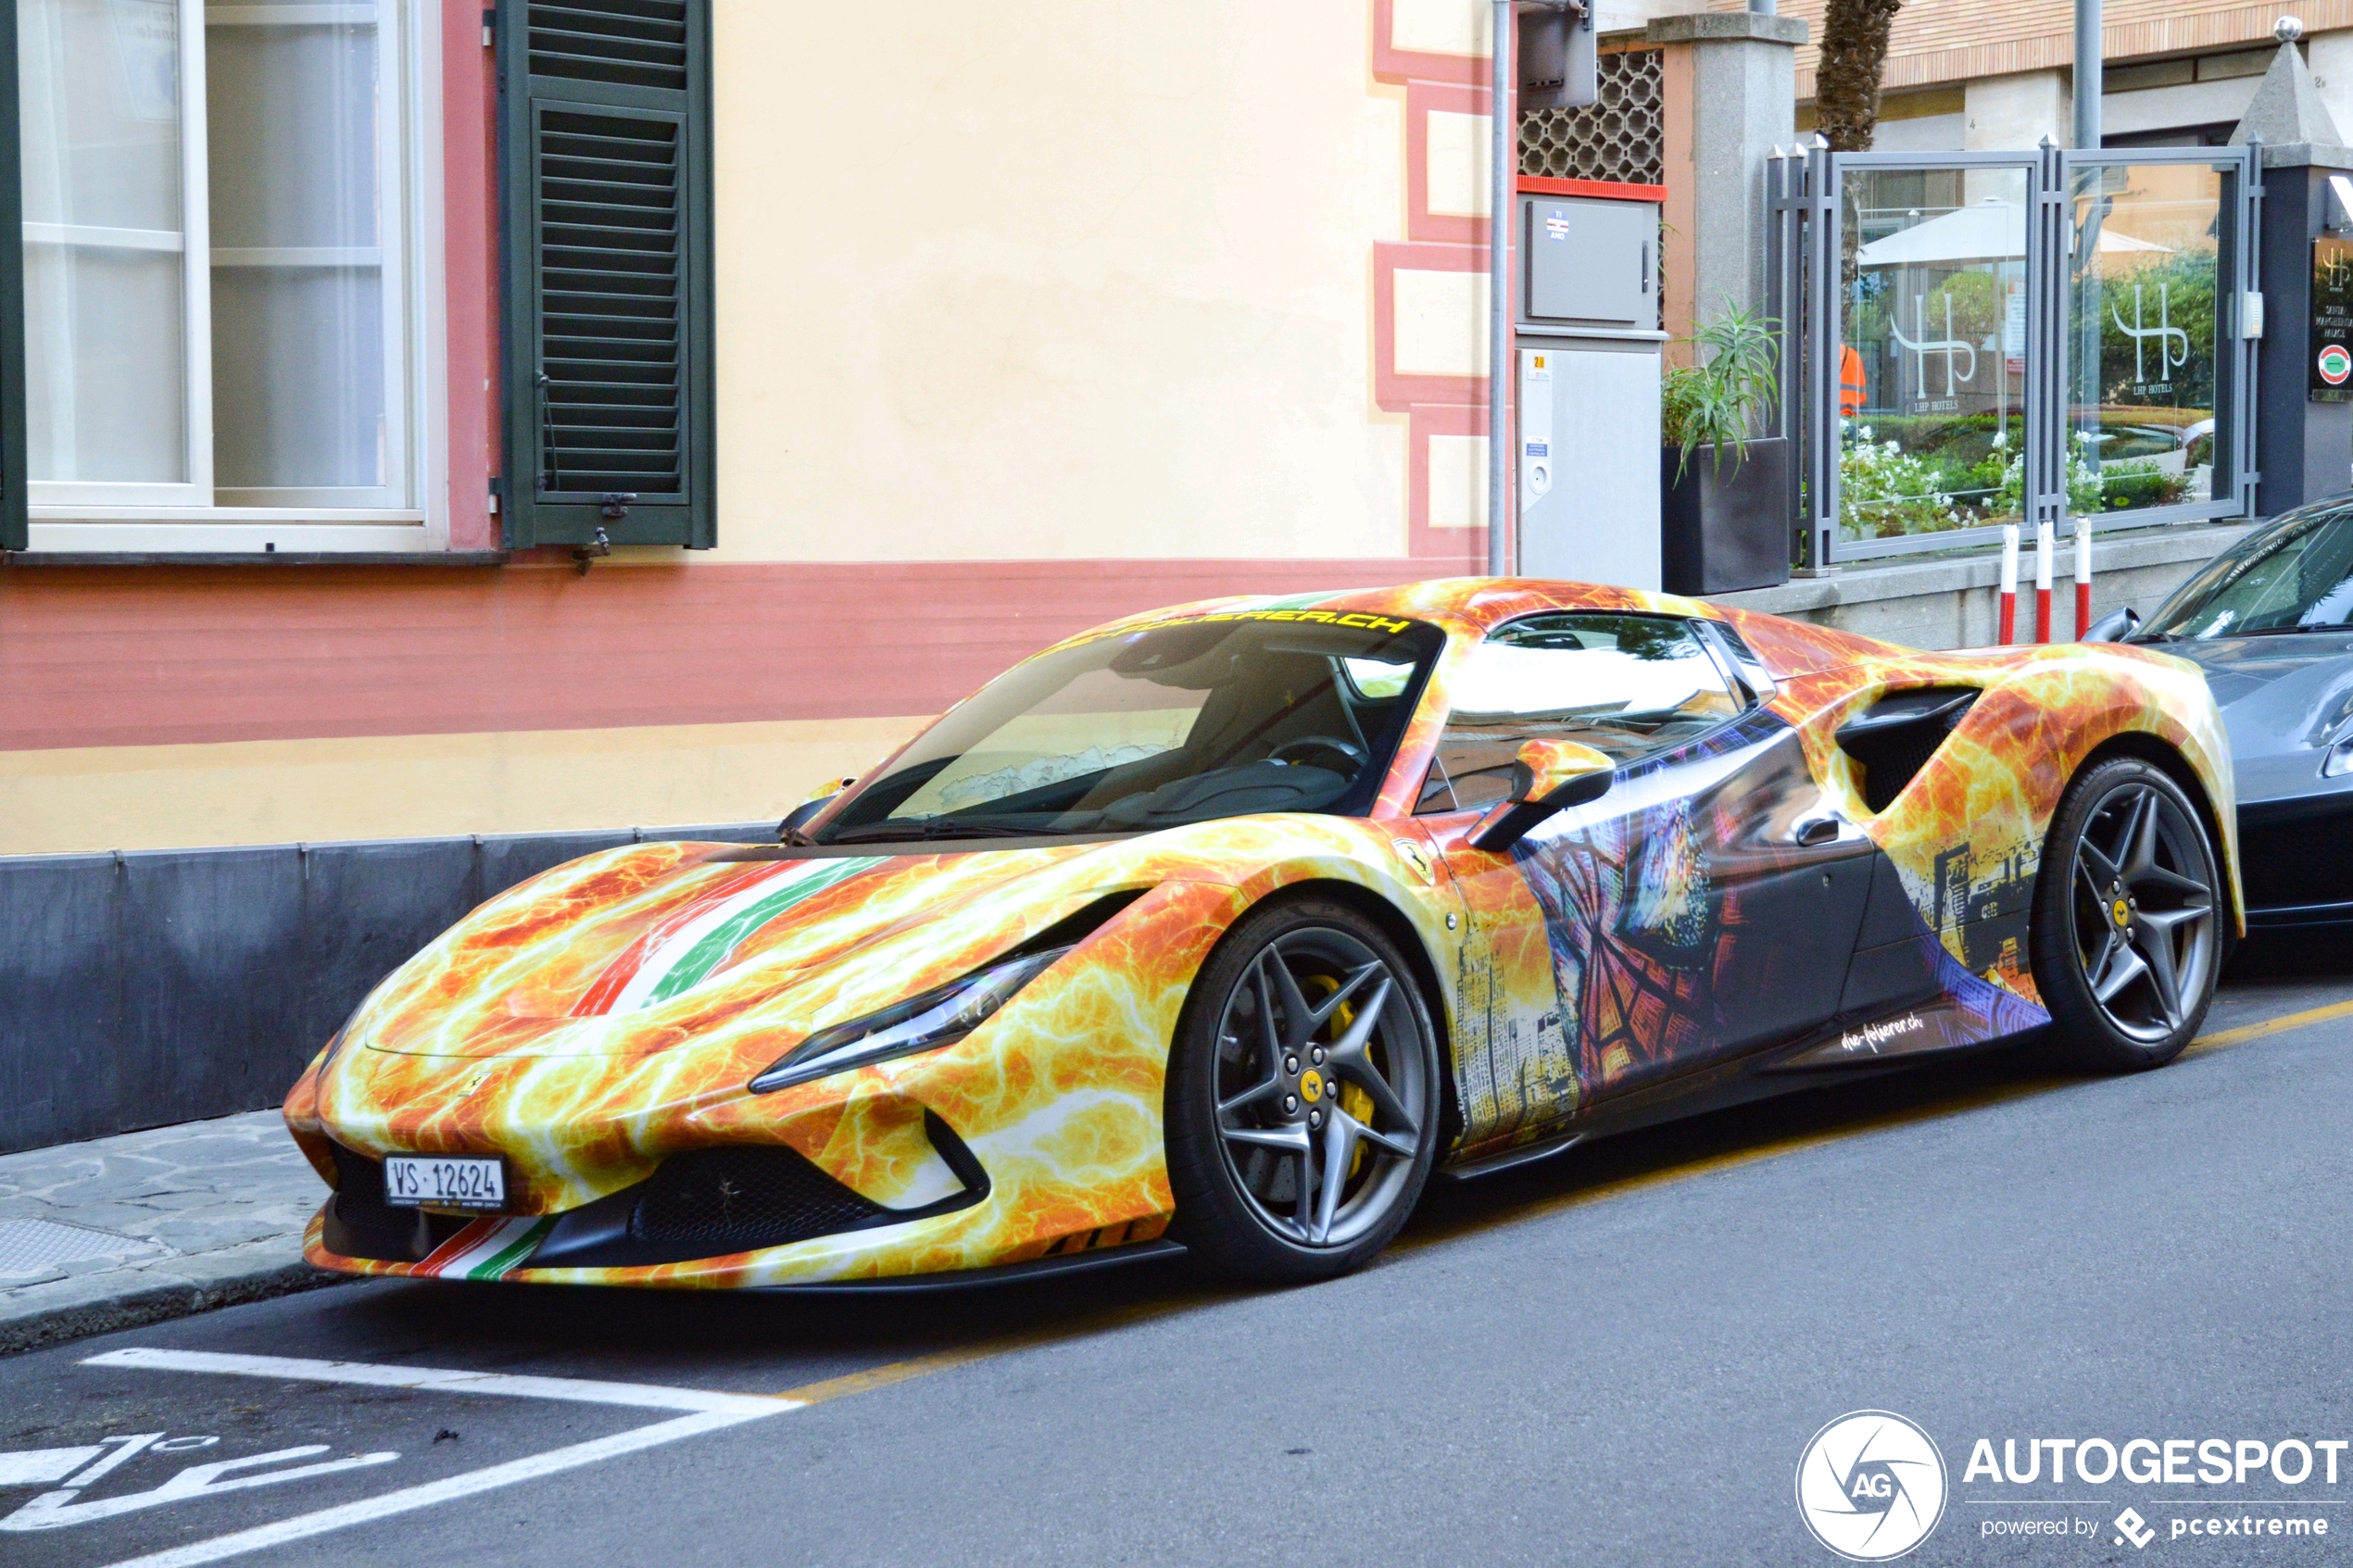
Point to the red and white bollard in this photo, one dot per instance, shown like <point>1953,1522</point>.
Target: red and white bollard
<point>2045,540</point>
<point>2082,577</point>
<point>2007,627</point>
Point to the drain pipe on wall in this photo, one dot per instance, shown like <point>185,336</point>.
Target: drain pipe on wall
<point>1503,160</point>
<point>2087,74</point>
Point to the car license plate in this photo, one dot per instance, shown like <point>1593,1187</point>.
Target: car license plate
<point>411,1181</point>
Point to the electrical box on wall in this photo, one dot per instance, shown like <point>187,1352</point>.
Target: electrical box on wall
<point>1586,395</point>
<point>1589,460</point>
<point>1590,261</point>
<point>1559,57</point>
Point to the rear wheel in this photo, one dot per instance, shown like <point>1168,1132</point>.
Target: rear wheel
<point>2128,917</point>
<point>1302,1096</point>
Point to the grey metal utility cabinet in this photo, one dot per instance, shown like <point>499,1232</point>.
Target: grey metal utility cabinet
<point>1587,372</point>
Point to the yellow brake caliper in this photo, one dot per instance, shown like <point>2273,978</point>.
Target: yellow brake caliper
<point>1353,1100</point>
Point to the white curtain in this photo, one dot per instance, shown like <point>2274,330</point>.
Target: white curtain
<point>298,279</point>
<point>105,354</point>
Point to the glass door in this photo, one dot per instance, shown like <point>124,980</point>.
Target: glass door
<point>1932,365</point>
<point>2152,346</point>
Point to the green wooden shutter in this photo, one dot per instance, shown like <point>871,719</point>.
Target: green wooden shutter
<point>12,455</point>
<point>605,160</point>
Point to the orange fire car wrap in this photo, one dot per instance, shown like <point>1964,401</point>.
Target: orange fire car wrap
<point>608,1016</point>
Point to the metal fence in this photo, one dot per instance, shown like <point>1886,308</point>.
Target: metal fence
<point>1972,339</point>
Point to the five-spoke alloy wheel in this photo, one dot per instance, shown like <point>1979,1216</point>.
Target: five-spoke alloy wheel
<point>1302,1096</point>
<point>2129,916</point>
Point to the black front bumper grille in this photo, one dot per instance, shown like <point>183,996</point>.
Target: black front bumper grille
<point>705,1203</point>
<point>716,1202</point>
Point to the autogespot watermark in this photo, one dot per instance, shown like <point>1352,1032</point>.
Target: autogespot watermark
<point>1871,1485</point>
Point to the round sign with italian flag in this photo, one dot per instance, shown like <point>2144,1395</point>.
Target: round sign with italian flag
<point>2335,364</point>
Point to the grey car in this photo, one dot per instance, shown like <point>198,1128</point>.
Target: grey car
<point>2270,622</point>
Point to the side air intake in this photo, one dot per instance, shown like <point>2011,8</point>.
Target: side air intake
<point>1893,740</point>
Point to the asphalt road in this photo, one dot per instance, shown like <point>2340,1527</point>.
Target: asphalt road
<point>1616,1358</point>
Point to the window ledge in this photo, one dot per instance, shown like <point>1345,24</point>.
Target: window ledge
<point>17,558</point>
<point>255,536</point>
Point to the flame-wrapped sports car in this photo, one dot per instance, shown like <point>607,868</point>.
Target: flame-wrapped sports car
<point>1225,926</point>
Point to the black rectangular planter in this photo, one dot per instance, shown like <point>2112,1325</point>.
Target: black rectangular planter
<point>1722,531</point>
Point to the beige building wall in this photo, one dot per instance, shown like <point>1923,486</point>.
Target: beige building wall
<point>419,786</point>
<point>1064,278</point>
<point>1065,281</point>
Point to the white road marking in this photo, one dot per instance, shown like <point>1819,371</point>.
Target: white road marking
<point>134,1443</point>
<point>708,1413</point>
<point>304,1525</point>
<point>39,1467</point>
<point>58,1511</point>
<point>438,1380</point>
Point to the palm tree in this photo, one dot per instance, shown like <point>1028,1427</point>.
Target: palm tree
<point>1846,81</point>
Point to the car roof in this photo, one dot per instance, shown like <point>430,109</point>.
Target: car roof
<point>1470,605</point>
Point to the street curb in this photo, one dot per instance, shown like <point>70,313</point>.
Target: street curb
<point>78,1307</point>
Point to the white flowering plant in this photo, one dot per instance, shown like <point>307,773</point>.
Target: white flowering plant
<point>1885,492</point>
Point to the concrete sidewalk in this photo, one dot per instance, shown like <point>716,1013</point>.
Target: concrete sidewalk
<point>129,1230</point>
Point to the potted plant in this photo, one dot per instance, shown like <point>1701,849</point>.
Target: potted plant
<point>1723,488</point>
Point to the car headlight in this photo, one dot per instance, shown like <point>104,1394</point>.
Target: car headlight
<point>2339,759</point>
<point>938,1018</point>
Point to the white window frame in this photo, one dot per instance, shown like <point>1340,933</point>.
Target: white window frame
<point>412,516</point>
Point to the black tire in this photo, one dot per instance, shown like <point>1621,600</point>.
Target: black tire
<point>2130,918</point>
<point>1340,1069</point>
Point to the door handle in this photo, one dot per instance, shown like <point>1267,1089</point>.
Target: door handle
<point>1816,830</point>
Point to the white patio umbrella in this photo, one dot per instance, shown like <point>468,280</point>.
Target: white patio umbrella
<point>1993,229</point>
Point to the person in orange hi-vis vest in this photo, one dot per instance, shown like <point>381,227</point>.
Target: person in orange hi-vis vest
<point>1850,382</point>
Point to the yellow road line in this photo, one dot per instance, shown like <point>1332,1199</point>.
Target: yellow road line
<point>987,1350</point>
<point>1732,1160</point>
<point>2279,1025</point>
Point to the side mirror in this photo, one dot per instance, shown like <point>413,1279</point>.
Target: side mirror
<point>2113,627</point>
<point>1547,777</point>
<point>789,831</point>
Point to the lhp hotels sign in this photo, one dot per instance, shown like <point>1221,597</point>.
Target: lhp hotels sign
<point>2330,351</point>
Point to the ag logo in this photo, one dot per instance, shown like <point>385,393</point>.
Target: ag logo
<point>1871,1486</point>
<point>2335,364</point>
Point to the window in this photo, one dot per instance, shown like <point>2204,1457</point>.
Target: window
<point>1627,685</point>
<point>221,287</point>
<point>1157,727</point>
<point>605,156</point>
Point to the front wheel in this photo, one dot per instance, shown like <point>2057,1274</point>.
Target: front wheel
<point>1302,1096</point>
<point>2128,917</point>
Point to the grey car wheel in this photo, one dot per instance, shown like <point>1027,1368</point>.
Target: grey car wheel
<point>1303,1099</point>
<point>2129,946</point>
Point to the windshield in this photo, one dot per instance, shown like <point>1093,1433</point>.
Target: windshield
<point>1160,726</point>
<point>2296,575</point>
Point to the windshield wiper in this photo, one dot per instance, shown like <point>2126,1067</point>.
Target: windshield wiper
<point>2287,631</point>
